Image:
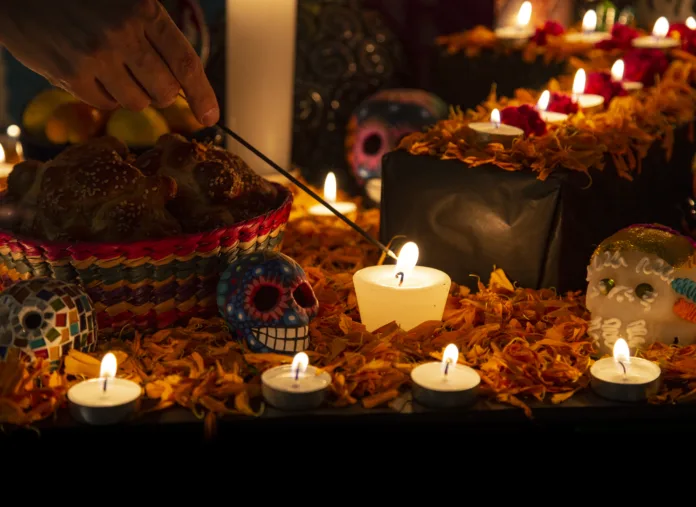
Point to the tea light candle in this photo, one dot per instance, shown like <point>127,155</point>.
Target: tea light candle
<point>521,32</point>
<point>588,34</point>
<point>584,100</point>
<point>406,294</point>
<point>617,73</point>
<point>297,386</point>
<point>344,208</point>
<point>445,384</point>
<point>625,378</point>
<point>549,116</point>
<point>658,39</point>
<point>104,400</point>
<point>495,132</point>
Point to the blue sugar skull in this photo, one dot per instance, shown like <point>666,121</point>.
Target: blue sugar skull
<point>267,301</point>
<point>379,124</point>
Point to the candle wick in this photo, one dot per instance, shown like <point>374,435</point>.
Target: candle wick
<point>624,368</point>
<point>297,375</point>
<point>400,275</point>
<point>447,365</point>
<point>105,380</point>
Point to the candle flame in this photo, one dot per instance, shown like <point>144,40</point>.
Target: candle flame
<point>330,188</point>
<point>544,100</point>
<point>661,28</point>
<point>13,131</point>
<point>525,14</point>
<point>622,355</point>
<point>691,23</point>
<point>2,154</point>
<point>589,22</point>
<point>495,117</point>
<point>450,356</point>
<point>109,366</point>
<point>617,70</point>
<point>579,82</point>
<point>408,258</point>
<point>299,364</point>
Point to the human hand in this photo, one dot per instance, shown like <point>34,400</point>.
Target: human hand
<point>109,52</point>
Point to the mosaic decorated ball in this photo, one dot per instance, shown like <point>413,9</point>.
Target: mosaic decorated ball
<point>380,122</point>
<point>268,302</point>
<point>45,318</point>
<point>642,288</point>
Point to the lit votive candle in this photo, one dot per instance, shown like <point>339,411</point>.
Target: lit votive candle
<point>521,32</point>
<point>104,400</point>
<point>445,384</point>
<point>330,191</point>
<point>625,378</point>
<point>658,39</point>
<point>617,73</point>
<point>406,294</point>
<point>296,386</point>
<point>589,35</point>
<point>584,100</point>
<point>495,131</point>
<point>549,116</point>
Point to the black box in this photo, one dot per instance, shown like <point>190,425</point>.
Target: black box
<point>541,233</point>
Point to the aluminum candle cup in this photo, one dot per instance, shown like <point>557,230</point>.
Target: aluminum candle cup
<point>552,117</point>
<point>659,39</point>
<point>298,386</point>
<point>521,33</point>
<point>90,404</point>
<point>445,384</point>
<point>588,34</point>
<point>406,294</point>
<point>495,131</point>
<point>347,209</point>
<point>624,378</point>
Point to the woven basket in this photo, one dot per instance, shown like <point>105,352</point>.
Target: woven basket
<point>148,285</point>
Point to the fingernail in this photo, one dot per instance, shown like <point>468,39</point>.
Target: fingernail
<point>211,117</point>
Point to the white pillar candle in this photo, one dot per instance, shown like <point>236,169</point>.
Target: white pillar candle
<point>105,400</point>
<point>296,386</point>
<point>584,100</point>
<point>495,132</point>
<point>625,378</point>
<point>549,116</point>
<point>617,74</point>
<point>521,31</point>
<point>260,79</point>
<point>445,384</point>
<point>406,294</point>
<point>589,35</point>
<point>658,39</point>
<point>330,192</point>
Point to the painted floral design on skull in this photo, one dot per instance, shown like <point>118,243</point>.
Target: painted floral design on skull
<point>637,281</point>
<point>267,301</point>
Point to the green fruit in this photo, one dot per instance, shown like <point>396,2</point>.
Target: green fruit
<point>133,128</point>
<point>40,109</point>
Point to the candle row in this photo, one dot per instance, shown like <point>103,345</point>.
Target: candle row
<point>522,31</point>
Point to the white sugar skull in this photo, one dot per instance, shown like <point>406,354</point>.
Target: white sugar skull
<point>641,288</point>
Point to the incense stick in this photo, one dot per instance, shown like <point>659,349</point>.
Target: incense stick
<point>304,187</point>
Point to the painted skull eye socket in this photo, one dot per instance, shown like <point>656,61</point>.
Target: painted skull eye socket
<point>644,291</point>
<point>304,295</point>
<point>267,298</point>
<point>32,320</point>
<point>606,285</point>
<point>372,144</point>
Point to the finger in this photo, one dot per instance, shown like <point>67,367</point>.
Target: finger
<point>184,63</point>
<point>91,92</point>
<point>152,73</point>
<point>122,86</point>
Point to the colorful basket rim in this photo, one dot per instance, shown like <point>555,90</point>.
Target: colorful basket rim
<point>160,244</point>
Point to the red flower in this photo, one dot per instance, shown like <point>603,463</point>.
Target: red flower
<point>601,83</point>
<point>550,28</point>
<point>621,38</point>
<point>643,65</point>
<point>686,35</point>
<point>562,103</point>
<point>524,117</point>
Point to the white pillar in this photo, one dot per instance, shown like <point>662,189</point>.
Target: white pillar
<point>260,79</point>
